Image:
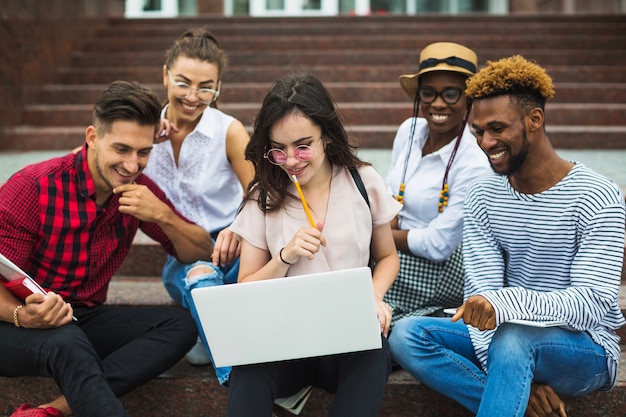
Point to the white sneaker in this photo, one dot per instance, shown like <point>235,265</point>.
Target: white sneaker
<point>198,355</point>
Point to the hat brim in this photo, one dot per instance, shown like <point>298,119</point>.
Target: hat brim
<point>408,82</point>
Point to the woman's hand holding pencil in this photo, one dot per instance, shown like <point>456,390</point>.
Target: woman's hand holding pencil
<point>307,240</point>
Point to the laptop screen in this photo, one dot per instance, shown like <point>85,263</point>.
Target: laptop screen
<point>289,318</point>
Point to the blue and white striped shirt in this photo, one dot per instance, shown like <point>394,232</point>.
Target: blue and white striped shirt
<point>555,255</point>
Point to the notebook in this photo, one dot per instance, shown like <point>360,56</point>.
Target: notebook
<point>289,318</point>
<point>19,283</point>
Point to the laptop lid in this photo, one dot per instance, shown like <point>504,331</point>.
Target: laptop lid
<point>289,318</point>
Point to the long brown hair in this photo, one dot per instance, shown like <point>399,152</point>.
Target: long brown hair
<point>306,95</point>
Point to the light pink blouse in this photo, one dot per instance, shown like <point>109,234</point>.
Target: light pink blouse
<point>347,229</point>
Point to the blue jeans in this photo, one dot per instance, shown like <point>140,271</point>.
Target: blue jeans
<point>179,288</point>
<point>439,353</point>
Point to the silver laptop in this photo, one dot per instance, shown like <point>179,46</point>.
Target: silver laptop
<point>289,318</point>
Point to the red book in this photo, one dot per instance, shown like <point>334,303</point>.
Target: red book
<point>19,283</point>
<point>23,287</point>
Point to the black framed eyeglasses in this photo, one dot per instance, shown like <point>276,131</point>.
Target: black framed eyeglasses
<point>205,95</point>
<point>450,95</point>
<point>301,153</point>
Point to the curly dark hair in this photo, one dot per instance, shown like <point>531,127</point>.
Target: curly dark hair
<point>306,95</point>
<point>528,83</point>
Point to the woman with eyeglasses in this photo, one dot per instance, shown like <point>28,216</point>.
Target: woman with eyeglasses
<point>199,163</point>
<point>434,160</point>
<point>298,136</point>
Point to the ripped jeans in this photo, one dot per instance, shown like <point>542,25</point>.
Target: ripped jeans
<point>179,288</point>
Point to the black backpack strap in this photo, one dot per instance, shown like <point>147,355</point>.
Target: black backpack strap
<point>359,184</point>
<point>263,198</point>
<point>357,181</point>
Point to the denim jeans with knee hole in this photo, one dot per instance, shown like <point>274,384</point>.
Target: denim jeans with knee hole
<point>179,288</point>
<point>439,353</point>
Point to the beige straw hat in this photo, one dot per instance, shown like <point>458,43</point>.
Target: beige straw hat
<point>440,56</point>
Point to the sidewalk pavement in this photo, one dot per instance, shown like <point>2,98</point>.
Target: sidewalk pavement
<point>608,162</point>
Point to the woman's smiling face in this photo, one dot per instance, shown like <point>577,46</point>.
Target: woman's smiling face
<point>196,74</point>
<point>294,130</point>
<point>443,118</point>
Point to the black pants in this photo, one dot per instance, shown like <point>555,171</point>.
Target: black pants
<point>106,354</point>
<point>357,379</point>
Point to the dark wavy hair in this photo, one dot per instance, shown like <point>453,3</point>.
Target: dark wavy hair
<point>306,95</point>
<point>129,101</point>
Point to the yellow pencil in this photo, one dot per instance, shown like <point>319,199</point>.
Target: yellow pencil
<point>304,204</point>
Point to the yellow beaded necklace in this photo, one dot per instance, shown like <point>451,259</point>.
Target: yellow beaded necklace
<point>444,194</point>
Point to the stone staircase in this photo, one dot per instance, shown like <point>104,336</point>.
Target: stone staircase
<point>359,59</point>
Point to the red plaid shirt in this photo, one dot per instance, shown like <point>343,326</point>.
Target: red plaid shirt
<point>51,227</point>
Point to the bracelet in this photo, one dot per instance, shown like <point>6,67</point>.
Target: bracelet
<point>280,255</point>
<point>16,319</point>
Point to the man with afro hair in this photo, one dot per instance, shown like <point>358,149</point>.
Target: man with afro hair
<point>543,243</point>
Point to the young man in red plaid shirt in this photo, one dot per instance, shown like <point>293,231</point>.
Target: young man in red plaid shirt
<point>69,223</point>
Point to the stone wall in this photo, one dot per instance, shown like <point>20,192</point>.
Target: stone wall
<point>38,36</point>
<point>60,9</point>
<point>36,40</point>
<point>210,7</point>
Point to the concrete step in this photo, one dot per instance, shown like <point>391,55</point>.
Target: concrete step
<point>567,137</point>
<point>314,56</point>
<point>34,138</point>
<point>517,24</point>
<point>354,113</point>
<point>234,27</point>
<point>187,391</point>
<point>379,91</point>
<point>481,42</point>
<point>338,72</point>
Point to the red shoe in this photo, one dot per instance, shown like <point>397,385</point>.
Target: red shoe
<point>26,410</point>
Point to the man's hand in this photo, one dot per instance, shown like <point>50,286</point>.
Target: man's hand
<point>138,201</point>
<point>544,402</point>
<point>478,312</point>
<point>43,312</point>
<point>191,242</point>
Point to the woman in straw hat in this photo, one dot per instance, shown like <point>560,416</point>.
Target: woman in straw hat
<point>435,158</point>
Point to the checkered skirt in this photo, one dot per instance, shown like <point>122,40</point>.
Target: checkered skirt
<point>424,287</point>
